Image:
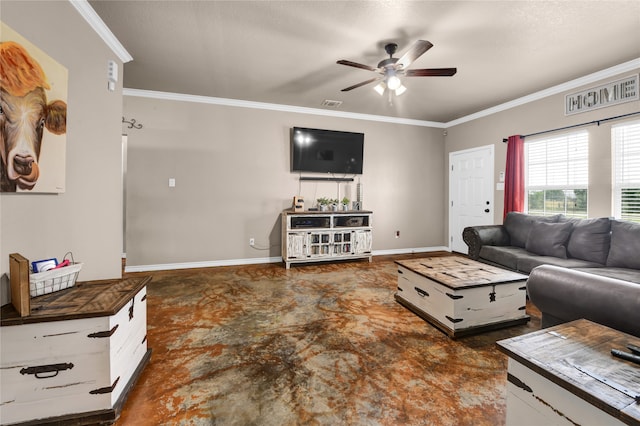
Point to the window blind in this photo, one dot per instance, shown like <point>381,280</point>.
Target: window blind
<point>560,162</point>
<point>625,139</point>
<point>557,174</point>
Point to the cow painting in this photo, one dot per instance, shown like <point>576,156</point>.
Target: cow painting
<point>25,113</point>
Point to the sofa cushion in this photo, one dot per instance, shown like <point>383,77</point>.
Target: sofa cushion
<point>549,239</point>
<point>527,262</point>
<point>590,239</point>
<point>506,256</point>
<point>625,245</point>
<point>518,226</point>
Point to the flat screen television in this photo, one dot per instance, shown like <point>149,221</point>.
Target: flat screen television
<point>326,151</point>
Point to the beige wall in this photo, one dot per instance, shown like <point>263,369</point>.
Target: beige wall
<point>87,218</point>
<point>541,115</point>
<point>232,171</point>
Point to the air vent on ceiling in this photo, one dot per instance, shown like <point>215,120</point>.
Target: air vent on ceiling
<point>331,104</point>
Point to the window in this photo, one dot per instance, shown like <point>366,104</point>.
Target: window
<point>557,175</point>
<point>625,139</point>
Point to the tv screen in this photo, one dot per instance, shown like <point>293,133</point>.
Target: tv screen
<point>326,151</point>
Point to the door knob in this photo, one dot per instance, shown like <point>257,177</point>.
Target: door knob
<point>486,210</point>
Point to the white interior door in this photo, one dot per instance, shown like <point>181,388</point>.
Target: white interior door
<point>470,192</point>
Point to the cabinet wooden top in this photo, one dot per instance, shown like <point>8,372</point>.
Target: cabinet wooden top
<point>458,272</point>
<point>84,300</point>
<point>557,352</point>
<point>328,212</point>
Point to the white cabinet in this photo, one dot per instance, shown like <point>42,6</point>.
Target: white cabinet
<point>76,356</point>
<point>317,236</point>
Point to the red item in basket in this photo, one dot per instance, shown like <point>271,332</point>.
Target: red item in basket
<point>62,264</point>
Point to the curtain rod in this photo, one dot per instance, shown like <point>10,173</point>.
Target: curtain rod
<point>617,117</point>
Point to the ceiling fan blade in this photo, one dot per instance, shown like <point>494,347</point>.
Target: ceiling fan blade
<point>356,65</point>
<point>418,48</point>
<point>355,86</point>
<point>431,72</point>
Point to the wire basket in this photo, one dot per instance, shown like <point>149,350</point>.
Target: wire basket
<point>54,280</point>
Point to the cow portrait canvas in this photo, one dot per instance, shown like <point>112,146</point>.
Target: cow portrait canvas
<point>33,117</point>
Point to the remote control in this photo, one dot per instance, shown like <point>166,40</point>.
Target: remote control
<point>624,355</point>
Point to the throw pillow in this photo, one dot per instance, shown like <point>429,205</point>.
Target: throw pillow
<point>549,239</point>
<point>625,245</point>
<point>518,226</point>
<point>590,239</point>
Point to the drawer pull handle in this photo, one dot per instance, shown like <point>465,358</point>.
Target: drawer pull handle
<point>104,333</point>
<point>400,289</point>
<point>107,389</point>
<point>454,296</point>
<point>421,292</point>
<point>453,320</point>
<point>46,371</point>
<point>400,271</point>
<point>143,298</point>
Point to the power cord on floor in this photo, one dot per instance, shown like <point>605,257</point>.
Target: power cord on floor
<point>256,247</point>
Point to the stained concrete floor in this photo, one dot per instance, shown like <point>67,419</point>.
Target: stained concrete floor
<point>321,344</point>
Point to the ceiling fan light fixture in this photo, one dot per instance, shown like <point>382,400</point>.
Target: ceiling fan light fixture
<point>380,87</point>
<point>400,90</point>
<point>393,82</point>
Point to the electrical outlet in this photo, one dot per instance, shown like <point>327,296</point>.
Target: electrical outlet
<point>252,241</point>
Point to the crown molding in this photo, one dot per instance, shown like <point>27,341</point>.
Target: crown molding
<point>275,107</point>
<point>558,89</point>
<point>89,14</point>
<point>616,70</point>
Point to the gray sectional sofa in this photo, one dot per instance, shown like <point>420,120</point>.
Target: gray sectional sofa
<point>578,268</point>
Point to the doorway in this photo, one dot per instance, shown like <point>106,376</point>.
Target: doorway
<point>470,192</point>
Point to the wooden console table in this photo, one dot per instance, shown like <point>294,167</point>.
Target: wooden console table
<point>313,236</point>
<point>75,358</point>
<point>555,377</point>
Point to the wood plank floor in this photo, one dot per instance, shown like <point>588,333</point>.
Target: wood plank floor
<point>320,344</point>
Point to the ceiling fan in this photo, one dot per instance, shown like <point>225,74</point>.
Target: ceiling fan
<point>390,69</point>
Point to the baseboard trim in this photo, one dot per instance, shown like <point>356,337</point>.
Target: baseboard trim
<point>205,264</point>
<point>258,260</point>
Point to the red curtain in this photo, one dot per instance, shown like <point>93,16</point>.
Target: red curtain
<point>514,176</point>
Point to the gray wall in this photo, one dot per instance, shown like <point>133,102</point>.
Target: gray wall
<point>541,115</point>
<point>231,166</point>
<point>87,218</point>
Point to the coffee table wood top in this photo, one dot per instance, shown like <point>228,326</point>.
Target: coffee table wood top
<point>555,352</point>
<point>457,272</point>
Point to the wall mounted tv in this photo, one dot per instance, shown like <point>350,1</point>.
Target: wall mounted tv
<point>326,151</point>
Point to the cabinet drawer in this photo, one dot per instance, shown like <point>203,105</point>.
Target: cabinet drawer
<point>430,296</point>
<point>414,289</point>
<point>55,386</point>
<point>33,343</point>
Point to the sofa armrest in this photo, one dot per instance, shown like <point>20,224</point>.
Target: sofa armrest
<point>489,235</point>
<point>564,295</point>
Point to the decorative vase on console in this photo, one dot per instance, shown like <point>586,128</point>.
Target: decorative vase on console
<point>323,204</point>
<point>345,204</point>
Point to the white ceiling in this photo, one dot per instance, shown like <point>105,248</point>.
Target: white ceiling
<point>285,52</point>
